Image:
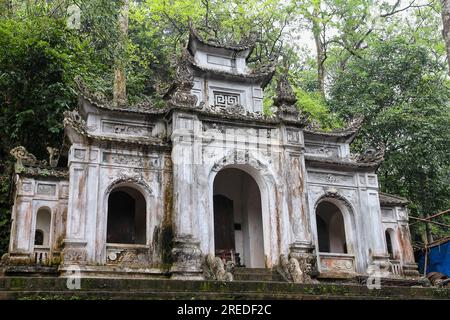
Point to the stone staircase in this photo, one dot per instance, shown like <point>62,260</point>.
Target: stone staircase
<point>257,274</point>
<point>55,288</point>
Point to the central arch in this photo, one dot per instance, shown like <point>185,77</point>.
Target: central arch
<point>238,219</point>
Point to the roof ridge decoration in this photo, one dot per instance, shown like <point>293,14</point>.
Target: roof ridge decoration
<point>285,101</point>
<point>348,132</point>
<point>247,42</point>
<point>372,155</point>
<point>72,119</point>
<point>262,74</point>
<point>179,93</point>
<point>28,164</point>
<point>390,199</point>
<point>100,100</point>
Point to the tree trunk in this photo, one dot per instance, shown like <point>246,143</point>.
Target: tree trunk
<point>120,83</point>
<point>424,208</point>
<point>319,48</point>
<point>446,25</point>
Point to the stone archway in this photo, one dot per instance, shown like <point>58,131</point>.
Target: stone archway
<point>238,221</point>
<point>126,218</point>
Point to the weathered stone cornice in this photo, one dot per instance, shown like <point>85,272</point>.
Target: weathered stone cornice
<point>341,163</point>
<point>347,134</point>
<point>73,120</point>
<point>389,200</point>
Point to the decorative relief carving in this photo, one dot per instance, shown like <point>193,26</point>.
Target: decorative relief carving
<point>120,256</point>
<point>293,136</point>
<point>79,154</point>
<point>23,156</point>
<point>297,270</point>
<point>74,255</point>
<point>402,215</point>
<point>349,195</point>
<point>26,187</point>
<point>53,155</point>
<point>337,264</point>
<point>46,189</point>
<point>130,175</point>
<point>322,150</point>
<point>215,269</point>
<point>226,99</point>
<point>131,160</point>
<point>126,129</point>
<point>330,178</point>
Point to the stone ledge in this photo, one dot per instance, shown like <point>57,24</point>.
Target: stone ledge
<point>107,288</point>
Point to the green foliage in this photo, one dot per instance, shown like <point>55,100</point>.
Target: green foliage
<point>403,94</point>
<point>314,105</point>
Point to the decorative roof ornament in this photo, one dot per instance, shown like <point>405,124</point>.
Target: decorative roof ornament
<point>23,157</point>
<point>27,164</point>
<point>53,156</point>
<point>348,133</point>
<point>100,100</point>
<point>246,44</point>
<point>372,155</point>
<point>285,100</point>
<point>179,94</point>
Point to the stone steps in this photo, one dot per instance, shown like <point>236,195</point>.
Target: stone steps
<point>108,288</point>
<point>256,274</point>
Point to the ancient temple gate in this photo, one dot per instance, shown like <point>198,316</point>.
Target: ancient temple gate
<point>151,191</point>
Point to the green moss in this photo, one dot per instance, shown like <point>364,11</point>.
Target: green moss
<point>18,283</point>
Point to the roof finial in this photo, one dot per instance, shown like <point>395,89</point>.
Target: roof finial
<point>285,100</point>
<point>285,94</point>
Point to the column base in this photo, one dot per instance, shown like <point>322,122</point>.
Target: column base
<point>187,259</point>
<point>74,252</point>
<point>302,251</point>
<point>411,270</point>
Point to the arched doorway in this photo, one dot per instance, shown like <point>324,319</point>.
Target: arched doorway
<point>238,225</point>
<point>126,216</point>
<point>330,228</point>
<point>43,224</point>
<point>390,243</point>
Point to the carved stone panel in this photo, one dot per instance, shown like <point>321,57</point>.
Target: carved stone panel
<point>114,127</point>
<point>402,214</point>
<point>74,255</point>
<point>128,256</point>
<point>26,188</point>
<point>46,189</point>
<point>131,160</point>
<point>79,154</point>
<point>337,263</point>
<point>293,136</point>
<point>226,99</point>
<point>322,150</point>
<point>330,178</point>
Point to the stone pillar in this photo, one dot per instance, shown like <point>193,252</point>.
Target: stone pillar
<point>375,232</point>
<point>294,171</point>
<point>186,253</point>
<point>409,266</point>
<point>74,251</point>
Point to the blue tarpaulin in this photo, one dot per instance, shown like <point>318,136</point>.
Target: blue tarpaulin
<point>438,259</point>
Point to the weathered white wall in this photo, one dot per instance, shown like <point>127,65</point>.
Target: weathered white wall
<point>32,195</point>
